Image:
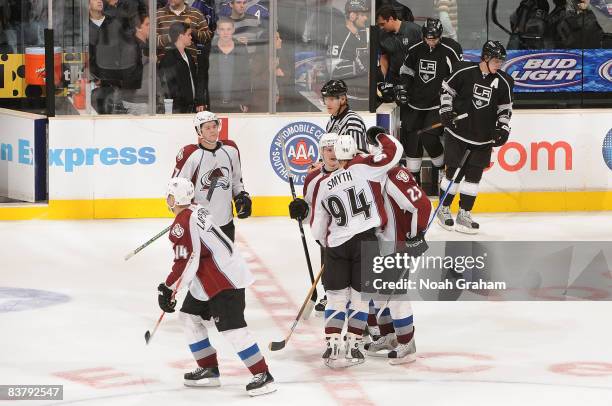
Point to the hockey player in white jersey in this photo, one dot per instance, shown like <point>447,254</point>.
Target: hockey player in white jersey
<point>213,166</point>
<point>209,265</point>
<point>347,208</point>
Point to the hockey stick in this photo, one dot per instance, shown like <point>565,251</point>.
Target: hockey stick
<point>438,125</point>
<point>149,335</point>
<point>313,299</point>
<point>279,345</point>
<point>457,176</point>
<point>146,244</point>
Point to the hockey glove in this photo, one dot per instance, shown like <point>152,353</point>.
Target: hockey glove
<point>166,302</point>
<point>298,209</point>
<point>446,118</point>
<point>387,94</point>
<point>401,94</point>
<point>372,133</point>
<point>243,205</point>
<point>500,137</point>
<point>416,245</point>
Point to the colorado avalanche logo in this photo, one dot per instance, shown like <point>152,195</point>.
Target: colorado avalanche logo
<point>179,156</point>
<point>222,179</point>
<point>299,143</point>
<point>403,176</point>
<point>177,231</point>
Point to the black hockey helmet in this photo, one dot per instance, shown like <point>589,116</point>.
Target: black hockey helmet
<point>493,49</point>
<point>432,28</point>
<point>355,6</point>
<point>334,88</point>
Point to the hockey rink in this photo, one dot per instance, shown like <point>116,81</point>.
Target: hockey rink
<point>73,312</point>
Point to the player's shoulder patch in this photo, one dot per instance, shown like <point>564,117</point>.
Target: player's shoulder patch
<point>231,144</point>
<point>186,151</point>
<point>312,175</point>
<point>177,230</point>
<point>400,174</point>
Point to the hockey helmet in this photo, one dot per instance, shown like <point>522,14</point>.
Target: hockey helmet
<point>493,49</point>
<point>334,88</point>
<point>327,140</point>
<point>345,148</point>
<point>432,28</point>
<point>355,6</point>
<point>182,190</point>
<point>203,117</point>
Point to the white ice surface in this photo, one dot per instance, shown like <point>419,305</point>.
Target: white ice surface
<point>470,353</point>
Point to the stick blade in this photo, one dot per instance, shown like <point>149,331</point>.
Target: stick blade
<point>128,256</point>
<point>147,337</point>
<point>308,309</point>
<point>277,345</point>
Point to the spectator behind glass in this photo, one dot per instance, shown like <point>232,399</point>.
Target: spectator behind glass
<point>447,13</point>
<point>552,40</point>
<point>230,72</point>
<point>580,29</point>
<point>135,101</point>
<point>114,53</point>
<point>255,8</point>
<point>178,71</point>
<point>177,11</point>
<point>97,19</point>
<point>528,25</point>
<point>248,29</point>
<point>207,8</point>
<point>253,32</point>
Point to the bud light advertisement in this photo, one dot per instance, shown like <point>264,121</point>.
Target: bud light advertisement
<point>562,70</point>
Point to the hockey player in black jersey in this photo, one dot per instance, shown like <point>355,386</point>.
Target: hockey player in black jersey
<point>483,91</point>
<point>427,63</point>
<point>348,52</point>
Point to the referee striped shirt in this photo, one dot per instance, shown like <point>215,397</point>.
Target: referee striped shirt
<point>349,123</point>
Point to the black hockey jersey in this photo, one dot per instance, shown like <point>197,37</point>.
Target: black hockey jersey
<point>395,45</point>
<point>487,99</point>
<point>349,57</point>
<point>424,69</point>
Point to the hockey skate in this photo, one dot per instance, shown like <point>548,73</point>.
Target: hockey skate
<point>320,307</point>
<point>403,353</point>
<point>261,384</point>
<point>381,345</point>
<point>445,219</point>
<point>203,377</point>
<point>465,223</point>
<point>354,354</point>
<point>332,352</point>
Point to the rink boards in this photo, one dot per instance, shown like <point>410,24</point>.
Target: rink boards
<point>117,167</point>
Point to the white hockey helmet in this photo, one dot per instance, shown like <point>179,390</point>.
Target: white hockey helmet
<point>203,117</point>
<point>345,148</point>
<point>328,140</point>
<point>182,190</point>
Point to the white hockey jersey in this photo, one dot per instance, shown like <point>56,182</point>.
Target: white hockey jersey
<point>201,166</point>
<point>217,264</point>
<point>349,201</point>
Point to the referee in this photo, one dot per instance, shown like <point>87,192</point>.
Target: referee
<point>343,120</point>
